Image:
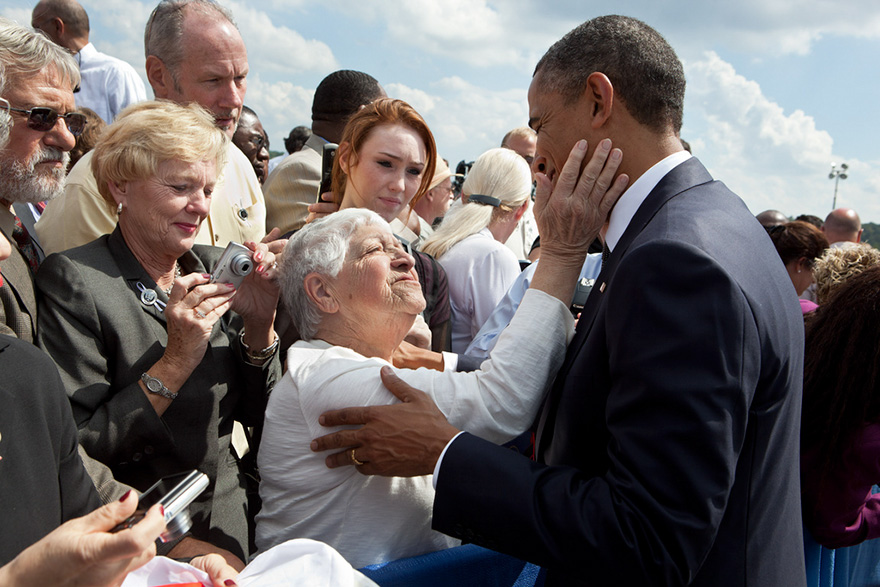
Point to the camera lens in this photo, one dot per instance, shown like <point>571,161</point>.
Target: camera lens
<point>241,264</point>
<point>177,526</point>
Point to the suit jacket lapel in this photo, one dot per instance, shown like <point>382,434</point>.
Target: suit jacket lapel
<point>137,278</point>
<point>23,211</point>
<point>688,174</point>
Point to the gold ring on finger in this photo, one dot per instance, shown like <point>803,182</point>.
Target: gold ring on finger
<point>354,459</point>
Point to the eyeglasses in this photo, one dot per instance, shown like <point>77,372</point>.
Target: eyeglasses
<point>43,119</point>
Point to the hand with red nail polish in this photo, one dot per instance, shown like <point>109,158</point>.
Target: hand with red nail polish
<point>83,551</point>
<point>217,568</point>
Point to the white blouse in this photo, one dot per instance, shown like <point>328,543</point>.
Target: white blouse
<point>371,519</point>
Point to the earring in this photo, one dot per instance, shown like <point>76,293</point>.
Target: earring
<point>119,209</point>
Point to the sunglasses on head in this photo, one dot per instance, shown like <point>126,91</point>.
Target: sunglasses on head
<point>43,119</point>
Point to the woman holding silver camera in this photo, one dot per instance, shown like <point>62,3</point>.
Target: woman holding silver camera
<point>158,360</point>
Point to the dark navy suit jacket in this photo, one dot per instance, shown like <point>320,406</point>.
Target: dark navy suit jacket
<point>668,446</point>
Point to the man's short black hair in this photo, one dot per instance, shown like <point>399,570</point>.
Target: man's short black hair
<point>643,68</point>
<point>342,93</point>
<point>297,138</point>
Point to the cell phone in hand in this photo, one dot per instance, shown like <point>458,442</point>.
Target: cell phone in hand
<point>175,493</point>
<point>327,158</point>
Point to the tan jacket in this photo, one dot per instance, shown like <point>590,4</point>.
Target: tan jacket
<point>293,186</point>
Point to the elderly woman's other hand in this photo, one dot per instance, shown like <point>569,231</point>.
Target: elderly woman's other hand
<point>83,551</point>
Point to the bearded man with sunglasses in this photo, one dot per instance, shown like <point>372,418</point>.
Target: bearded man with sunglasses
<point>37,108</point>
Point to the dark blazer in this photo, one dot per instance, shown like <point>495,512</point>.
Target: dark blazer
<point>42,480</point>
<point>668,446</point>
<point>102,337</point>
<point>18,300</point>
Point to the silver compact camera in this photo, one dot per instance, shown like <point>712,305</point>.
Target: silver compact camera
<point>175,493</point>
<point>234,265</point>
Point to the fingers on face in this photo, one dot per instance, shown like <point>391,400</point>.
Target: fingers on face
<point>598,169</point>
<point>568,176</point>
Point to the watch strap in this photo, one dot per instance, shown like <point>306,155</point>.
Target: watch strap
<point>155,385</point>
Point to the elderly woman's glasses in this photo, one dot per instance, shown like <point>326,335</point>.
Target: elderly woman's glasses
<point>43,119</point>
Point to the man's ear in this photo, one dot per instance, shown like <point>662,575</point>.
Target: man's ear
<point>57,27</point>
<point>600,91</point>
<point>159,77</point>
<point>316,288</point>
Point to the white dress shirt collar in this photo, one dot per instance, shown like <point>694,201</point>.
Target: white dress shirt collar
<point>626,207</point>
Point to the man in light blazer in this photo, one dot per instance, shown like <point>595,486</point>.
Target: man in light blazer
<point>667,449</point>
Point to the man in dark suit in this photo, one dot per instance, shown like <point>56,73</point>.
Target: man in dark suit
<point>33,160</point>
<point>667,449</point>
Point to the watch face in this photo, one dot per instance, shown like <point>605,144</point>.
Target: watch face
<point>154,385</point>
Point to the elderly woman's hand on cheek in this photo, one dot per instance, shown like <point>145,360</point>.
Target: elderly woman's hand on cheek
<point>83,551</point>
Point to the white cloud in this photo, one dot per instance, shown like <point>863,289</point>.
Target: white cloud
<point>420,100</point>
<point>771,158</point>
<point>478,33</point>
<point>466,119</point>
<point>18,14</point>
<point>280,106</point>
<point>278,48</point>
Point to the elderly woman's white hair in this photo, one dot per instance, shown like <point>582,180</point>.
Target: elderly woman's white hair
<point>319,247</point>
<point>498,173</point>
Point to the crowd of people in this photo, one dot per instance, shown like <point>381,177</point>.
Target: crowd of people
<point>351,362</point>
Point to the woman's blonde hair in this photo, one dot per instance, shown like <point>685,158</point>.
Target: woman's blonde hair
<point>149,133</point>
<point>497,173</point>
<point>381,112</point>
<point>839,264</point>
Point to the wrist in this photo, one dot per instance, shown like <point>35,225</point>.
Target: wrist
<point>156,386</point>
<point>15,573</point>
<point>257,353</point>
<point>171,372</point>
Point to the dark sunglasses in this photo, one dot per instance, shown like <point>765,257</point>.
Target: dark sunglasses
<point>43,119</point>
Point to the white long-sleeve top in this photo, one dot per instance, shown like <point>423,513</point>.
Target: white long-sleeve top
<point>375,519</point>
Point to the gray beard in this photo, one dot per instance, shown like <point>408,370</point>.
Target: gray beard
<point>20,182</point>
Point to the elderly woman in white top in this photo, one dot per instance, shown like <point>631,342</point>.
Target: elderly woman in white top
<point>353,295</point>
<point>470,242</point>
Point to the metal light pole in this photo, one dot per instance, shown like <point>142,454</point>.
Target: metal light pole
<point>837,174</point>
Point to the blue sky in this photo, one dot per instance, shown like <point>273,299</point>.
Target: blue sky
<point>777,91</point>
